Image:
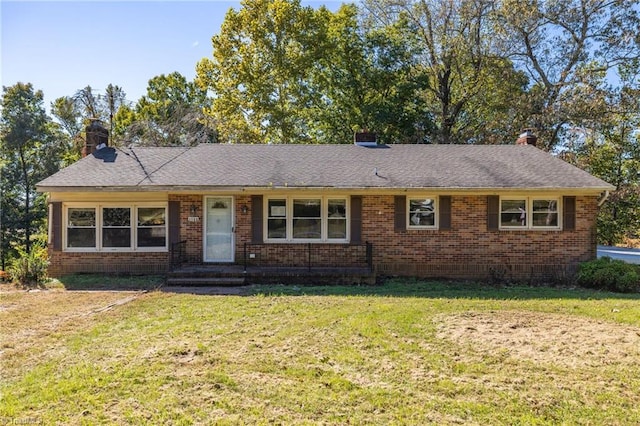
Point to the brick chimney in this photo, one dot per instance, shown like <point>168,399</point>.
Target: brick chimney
<point>527,138</point>
<point>96,135</point>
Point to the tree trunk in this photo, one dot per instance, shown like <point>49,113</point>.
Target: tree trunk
<point>27,201</point>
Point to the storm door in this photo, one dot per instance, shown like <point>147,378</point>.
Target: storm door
<point>218,229</point>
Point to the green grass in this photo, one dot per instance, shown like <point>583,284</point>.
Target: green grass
<point>107,282</point>
<point>309,355</point>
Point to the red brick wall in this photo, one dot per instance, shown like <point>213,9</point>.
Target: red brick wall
<point>191,225</point>
<point>243,224</point>
<point>304,255</point>
<point>469,250</point>
<point>64,263</point>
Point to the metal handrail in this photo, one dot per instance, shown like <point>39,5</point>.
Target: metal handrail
<point>178,254</point>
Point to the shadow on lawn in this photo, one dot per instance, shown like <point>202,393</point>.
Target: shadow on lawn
<point>388,288</point>
<point>94,282</point>
<point>443,289</point>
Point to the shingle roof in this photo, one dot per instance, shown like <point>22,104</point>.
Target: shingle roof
<point>214,166</point>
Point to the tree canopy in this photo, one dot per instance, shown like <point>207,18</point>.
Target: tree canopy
<point>170,114</point>
<point>29,153</point>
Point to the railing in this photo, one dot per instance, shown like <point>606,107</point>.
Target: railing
<point>308,255</point>
<point>178,254</point>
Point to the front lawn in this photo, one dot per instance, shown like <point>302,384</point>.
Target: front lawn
<point>403,353</point>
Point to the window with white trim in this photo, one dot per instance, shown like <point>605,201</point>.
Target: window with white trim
<point>297,219</point>
<point>421,213</point>
<point>544,213</point>
<point>115,227</point>
<point>529,213</point>
<point>307,219</point>
<point>337,219</point>
<point>277,219</point>
<point>81,227</point>
<point>152,227</point>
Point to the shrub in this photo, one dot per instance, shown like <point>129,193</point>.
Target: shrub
<point>30,269</point>
<point>608,274</point>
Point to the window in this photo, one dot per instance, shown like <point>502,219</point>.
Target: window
<point>277,219</point>
<point>337,219</point>
<point>421,212</point>
<point>134,227</point>
<point>306,219</point>
<point>116,227</point>
<point>544,213</point>
<point>513,213</point>
<point>81,227</point>
<point>529,213</point>
<point>152,229</point>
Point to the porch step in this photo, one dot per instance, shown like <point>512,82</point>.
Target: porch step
<point>205,281</point>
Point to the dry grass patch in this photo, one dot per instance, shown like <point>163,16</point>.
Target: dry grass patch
<point>553,339</point>
<point>30,318</point>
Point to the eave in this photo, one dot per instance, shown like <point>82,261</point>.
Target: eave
<point>355,189</point>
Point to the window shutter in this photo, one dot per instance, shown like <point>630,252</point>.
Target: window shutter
<point>256,219</point>
<point>56,225</point>
<point>569,213</point>
<point>400,213</point>
<point>356,219</point>
<point>493,212</point>
<point>445,212</point>
<point>174,222</point>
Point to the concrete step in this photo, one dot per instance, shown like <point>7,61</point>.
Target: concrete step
<point>205,281</point>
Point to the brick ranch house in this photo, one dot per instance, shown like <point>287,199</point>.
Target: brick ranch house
<point>452,211</point>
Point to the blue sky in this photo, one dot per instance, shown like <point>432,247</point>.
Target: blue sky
<point>63,46</point>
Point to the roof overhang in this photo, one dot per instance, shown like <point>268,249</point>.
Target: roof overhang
<point>356,189</point>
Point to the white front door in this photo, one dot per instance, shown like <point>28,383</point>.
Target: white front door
<point>218,229</point>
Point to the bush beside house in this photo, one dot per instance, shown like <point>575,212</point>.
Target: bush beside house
<point>609,274</point>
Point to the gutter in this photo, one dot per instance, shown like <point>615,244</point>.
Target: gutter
<point>604,198</point>
<point>270,188</point>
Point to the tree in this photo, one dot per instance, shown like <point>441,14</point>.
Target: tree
<point>170,114</point>
<point>29,154</point>
<point>563,46</point>
<point>283,73</point>
<point>259,71</point>
<point>89,104</point>
<point>363,80</point>
<point>114,99</point>
<point>610,149</point>
<point>74,113</point>
<point>455,60</point>
<point>69,118</point>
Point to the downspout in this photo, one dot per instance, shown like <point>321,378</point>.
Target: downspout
<point>604,198</point>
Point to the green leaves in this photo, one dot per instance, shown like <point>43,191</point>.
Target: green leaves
<point>283,73</point>
<point>565,46</point>
<point>259,71</point>
<point>29,153</point>
<point>170,114</point>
